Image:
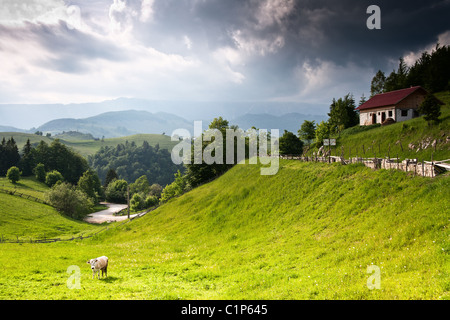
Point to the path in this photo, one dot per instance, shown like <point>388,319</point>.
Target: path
<point>108,214</point>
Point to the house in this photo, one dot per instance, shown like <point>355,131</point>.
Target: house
<point>399,105</point>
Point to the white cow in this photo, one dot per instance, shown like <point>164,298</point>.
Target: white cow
<point>98,264</point>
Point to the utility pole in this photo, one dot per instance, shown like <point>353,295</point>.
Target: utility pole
<point>128,201</point>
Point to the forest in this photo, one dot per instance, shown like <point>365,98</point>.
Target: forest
<point>131,162</point>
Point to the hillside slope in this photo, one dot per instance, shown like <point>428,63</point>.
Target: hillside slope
<point>25,218</point>
<point>412,139</point>
<point>309,232</point>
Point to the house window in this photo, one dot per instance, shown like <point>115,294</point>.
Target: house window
<point>390,114</point>
<point>404,113</point>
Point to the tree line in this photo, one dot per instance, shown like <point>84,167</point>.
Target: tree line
<point>431,71</point>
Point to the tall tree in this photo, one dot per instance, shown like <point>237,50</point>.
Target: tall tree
<point>431,109</point>
<point>377,84</point>
<point>27,160</point>
<point>307,130</point>
<point>343,114</point>
<point>110,176</point>
<point>290,144</point>
<point>90,184</point>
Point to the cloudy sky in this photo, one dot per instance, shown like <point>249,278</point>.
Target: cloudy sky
<point>57,51</point>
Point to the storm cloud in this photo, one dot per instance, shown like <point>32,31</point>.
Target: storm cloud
<point>246,50</point>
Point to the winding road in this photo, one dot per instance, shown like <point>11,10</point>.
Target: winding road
<point>107,215</point>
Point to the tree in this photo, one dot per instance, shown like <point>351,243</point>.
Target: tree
<point>323,131</point>
<point>174,189</point>
<point>155,190</point>
<point>9,155</point>
<point>110,176</point>
<point>137,202</point>
<point>290,144</point>
<point>307,130</point>
<point>13,174</point>
<point>377,84</point>
<point>343,114</point>
<point>362,100</point>
<point>197,173</point>
<point>27,161</point>
<point>141,186</point>
<point>151,201</point>
<point>69,200</point>
<point>90,184</point>
<point>116,191</point>
<point>52,177</point>
<point>431,109</point>
<point>39,172</point>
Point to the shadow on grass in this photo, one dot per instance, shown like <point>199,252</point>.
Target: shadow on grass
<point>109,279</point>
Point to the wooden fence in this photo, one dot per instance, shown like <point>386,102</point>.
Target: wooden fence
<point>22,195</point>
<point>424,168</point>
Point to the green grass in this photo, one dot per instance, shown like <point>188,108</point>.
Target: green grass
<point>393,140</point>
<point>90,147</point>
<point>26,185</point>
<point>309,232</point>
<point>25,219</point>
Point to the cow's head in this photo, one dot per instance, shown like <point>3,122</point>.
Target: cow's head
<point>92,262</point>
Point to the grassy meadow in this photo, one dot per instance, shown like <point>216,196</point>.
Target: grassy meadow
<point>309,232</point>
<point>25,219</point>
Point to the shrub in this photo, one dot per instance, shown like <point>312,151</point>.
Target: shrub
<point>52,177</point>
<point>13,174</point>
<point>137,202</point>
<point>151,201</point>
<point>68,200</point>
<point>116,191</point>
<point>39,172</point>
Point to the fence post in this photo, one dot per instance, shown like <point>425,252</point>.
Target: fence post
<point>432,165</point>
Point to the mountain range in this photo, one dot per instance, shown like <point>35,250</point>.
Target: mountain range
<point>124,123</point>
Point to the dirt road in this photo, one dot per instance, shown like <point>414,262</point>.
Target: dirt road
<point>108,214</point>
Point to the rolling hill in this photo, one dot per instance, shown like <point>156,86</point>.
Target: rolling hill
<point>309,232</point>
<point>119,124</point>
<point>22,218</point>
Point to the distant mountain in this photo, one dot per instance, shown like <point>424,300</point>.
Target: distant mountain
<point>119,124</point>
<point>289,121</point>
<point>11,129</point>
<point>34,115</point>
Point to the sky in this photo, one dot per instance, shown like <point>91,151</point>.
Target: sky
<point>304,51</point>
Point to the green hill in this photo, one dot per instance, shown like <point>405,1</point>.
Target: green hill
<point>23,218</point>
<point>90,147</point>
<point>412,139</point>
<point>309,232</point>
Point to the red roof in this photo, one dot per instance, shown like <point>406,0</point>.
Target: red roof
<point>388,98</point>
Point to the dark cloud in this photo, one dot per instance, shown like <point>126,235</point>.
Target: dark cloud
<point>264,49</point>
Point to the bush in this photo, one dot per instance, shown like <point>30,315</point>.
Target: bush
<point>68,200</point>
<point>39,172</point>
<point>176,188</point>
<point>13,174</point>
<point>151,201</point>
<point>137,202</point>
<point>116,191</point>
<point>53,177</point>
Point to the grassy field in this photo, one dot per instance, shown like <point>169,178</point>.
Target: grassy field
<point>395,139</point>
<point>90,147</point>
<point>23,219</point>
<point>309,232</point>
